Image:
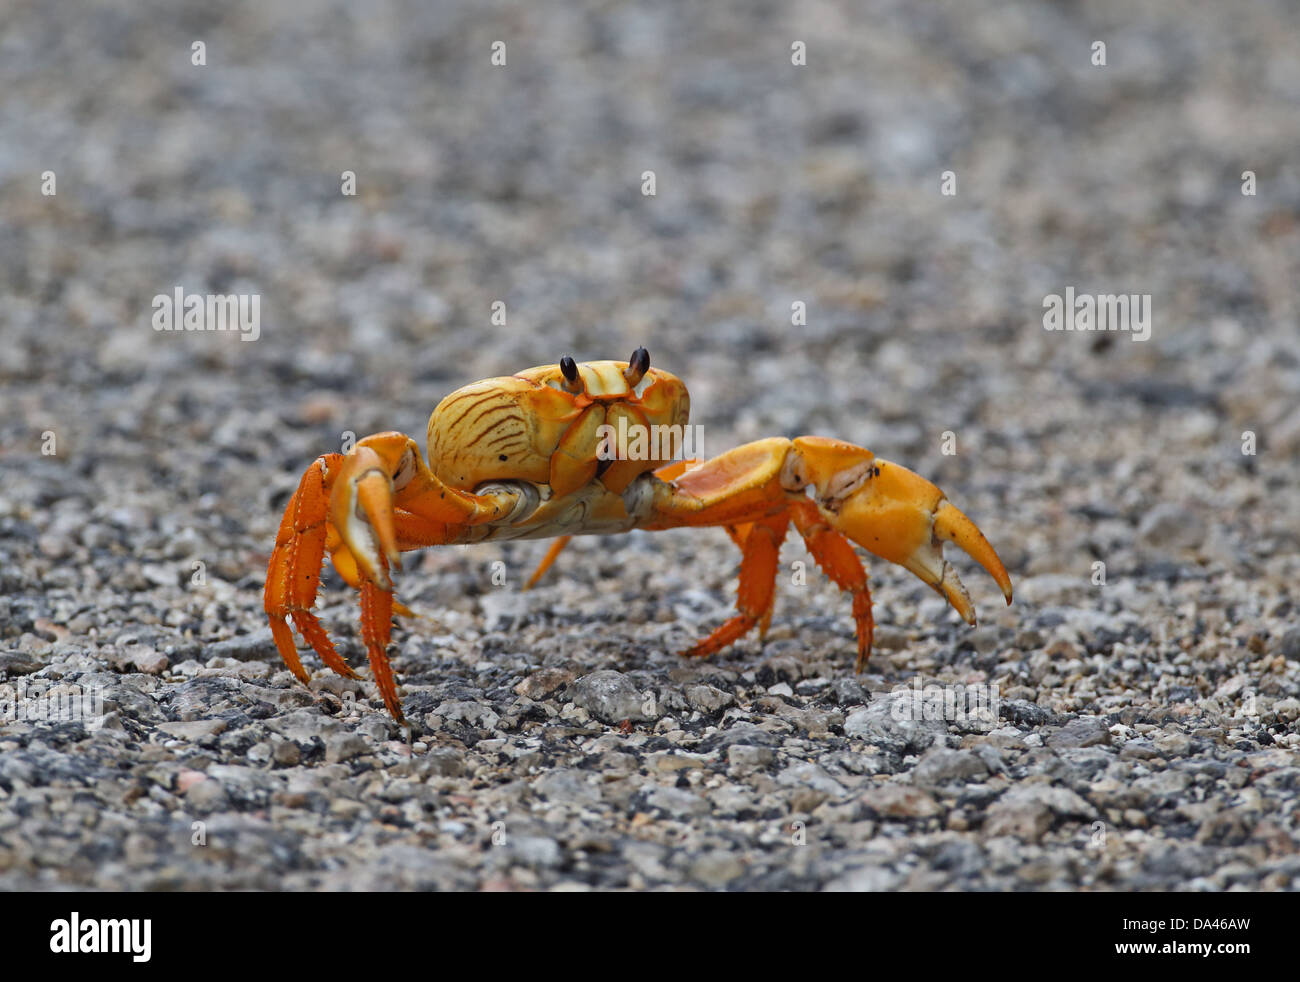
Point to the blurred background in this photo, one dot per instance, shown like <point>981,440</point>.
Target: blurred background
<point>775,184</point>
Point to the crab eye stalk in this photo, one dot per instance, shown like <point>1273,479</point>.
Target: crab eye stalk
<point>637,366</point>
<point>569,369</point>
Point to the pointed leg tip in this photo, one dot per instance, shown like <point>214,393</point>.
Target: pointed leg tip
<point>701,649</point>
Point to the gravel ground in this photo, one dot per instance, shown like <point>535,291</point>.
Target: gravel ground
<point>1147,730</point>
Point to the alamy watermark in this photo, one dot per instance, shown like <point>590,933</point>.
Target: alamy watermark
<point>51,702</point>
<point>977,703</point>
<point>659,441</point>
<point>1103,312</point>
<point>180,311</point>
<point>103,935</point>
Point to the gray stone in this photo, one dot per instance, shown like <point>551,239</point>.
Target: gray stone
<point>741,734</point>
<point>899,801</point>
<point>716,868</point>
<point>1059,800</point>
<point>750,758</point>
<point>17,663</point>
<point>890,722</point>
<point>196,730</point>
<point>1025,819</point>
<point>206,796</point>
<point>443,762</point>
<point>302,725</point>
<point>866,879</point>
<point>340,747</point>
<point>708,699</point>
<point>542,683</point>
<point>610,697</point>
<point>676,802</point>
<point>286,753</point>
<point>255,646</point>
<point>1085,731</point>
<point>1170,525</point>
<point>567,786</point>
<point>810,775</point>
<point>535,851</point>
<point>942,766</point>
<point>468,711</point>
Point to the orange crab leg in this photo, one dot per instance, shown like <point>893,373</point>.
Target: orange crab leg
<point>836,557</point>
<point>757,589</point>
<point>294,573</point>
<point>376,629</point>
<point>739,533</point>
<point>833,554</point>
<point>557,547</point>
<point>345,563</point>
<point>364,508</point>
<point>430,513</point>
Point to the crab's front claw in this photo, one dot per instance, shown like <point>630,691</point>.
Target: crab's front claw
<point>362,515</point>
<point>895,514</point>
<point>361,509</point>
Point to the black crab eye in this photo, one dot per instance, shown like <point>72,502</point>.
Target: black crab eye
<point>637,366</point>
<point>570,368</point>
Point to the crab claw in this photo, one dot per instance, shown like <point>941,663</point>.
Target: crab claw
<point>361,508</point>
<point>894,513</point>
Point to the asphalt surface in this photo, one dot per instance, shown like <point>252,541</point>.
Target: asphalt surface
<point>1141,492</point>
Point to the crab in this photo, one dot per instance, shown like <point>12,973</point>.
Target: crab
<point>529,456</point>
